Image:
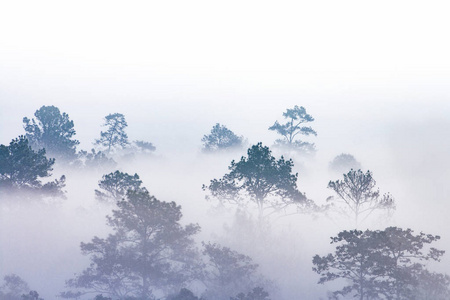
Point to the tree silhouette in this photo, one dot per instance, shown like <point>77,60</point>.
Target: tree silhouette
<point>115,135</point>
<point>344,163</point>
<point>114,186</point>
<point>221,138</point>
<point>262,180</point>
<point>378,264</point>
<point>360,197</point>
<point>295,118</point>
<point>149,250</point>
<point>228,272</point>
<point>258,293</point>
<point>21,170</point>
<point>53,131</point>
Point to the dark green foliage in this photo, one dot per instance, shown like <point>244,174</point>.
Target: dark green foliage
<point>53,131</point>
<point>228,272</point>
<point>344,163</point>
<point>295,118</point>
<point>149,250</point>
<point>258,293</point>
<point>116,185</point>
<point>114,136</point>
<point>262,180</point>
<point>221,138</point>
<point>21,170</point>
<point>359,195</point>
<point>378,264</point>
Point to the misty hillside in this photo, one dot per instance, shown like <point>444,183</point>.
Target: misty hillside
<point>224,151</point>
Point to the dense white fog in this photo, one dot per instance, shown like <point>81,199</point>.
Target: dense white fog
<point>374,77</point>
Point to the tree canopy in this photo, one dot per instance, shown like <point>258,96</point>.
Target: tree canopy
<point>15,288</point>
<point>228,272</point>
<point>115,185</point>
<point>385,264</point>
<point>21,170</point>
<point>359,196</point>
<point>221,138</point>
<point>258,293</point>
<point>53,131</point>
<point>343,163</point>
<point>115,135</point>
<point>262,180</point>
<point>94,160</point>
<point>292,128</point>
<point>149,250</point>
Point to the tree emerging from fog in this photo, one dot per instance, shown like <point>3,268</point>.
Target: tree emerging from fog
<point>22,168</point>
<point>292,128</point>
<point>228,273</point>
<point>358,197</point>
<point>344,163</point>
<point>221,138</point>
<point>387,264</point>
<point>114,186</point>
<point>15,288</point>
<point>262,180</point>
<point>258,293</point>
<point>149,251</point>
<point>115,135</point>
<point>53,131</point>
<point>94,160</point>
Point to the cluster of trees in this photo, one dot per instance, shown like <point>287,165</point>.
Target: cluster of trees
<point>221,138</point>
<point>151,255</point>
<point>384,264</point>
<point>54,131</point>
<point>260,180</point>
<point>49,138</point>
<point>15,288</point>
<point>21,170</point>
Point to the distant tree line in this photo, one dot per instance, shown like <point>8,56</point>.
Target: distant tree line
<point>151,254</point>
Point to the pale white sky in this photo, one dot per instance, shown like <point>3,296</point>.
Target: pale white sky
<point>175,68</point>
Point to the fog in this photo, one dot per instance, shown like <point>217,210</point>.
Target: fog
<point>374,76</point>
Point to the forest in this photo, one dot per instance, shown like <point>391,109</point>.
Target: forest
<point>224,150</point>
<point>237,241</point>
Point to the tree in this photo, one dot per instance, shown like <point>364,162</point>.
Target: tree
<point>344,163</point>
<point>32,295</point>
<point>13,287</point>
<point>221,138</point>
<point>148,250</point>
<point>359,195</point>
<point>115,135</point>
<point>145,147</point>
<point>21,169</point>
<point>262,180</point>
<point>116,185</point>
<point>378,264</point>
<point>433,286</point>
<point>258,293</point>
<point>295,118</point>
<point>184,294</point>
<point>228,272</point>
<point>95,160</point>
<point>53,131</point>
